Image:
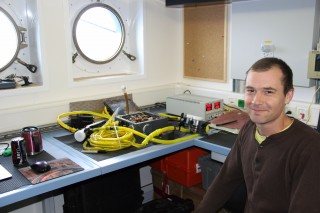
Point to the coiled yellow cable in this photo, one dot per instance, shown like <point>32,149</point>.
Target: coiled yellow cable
<point>112,138</point>
<point>104,114</point>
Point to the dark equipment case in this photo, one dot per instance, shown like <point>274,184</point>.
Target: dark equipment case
<point>169,204</point>
<point>119,191</point>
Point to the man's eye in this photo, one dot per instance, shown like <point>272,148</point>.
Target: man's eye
<point>269,92</point>
<point>249,90</point>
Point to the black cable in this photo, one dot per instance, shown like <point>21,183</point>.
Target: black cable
<point>160,104</point>
<point>25,79</point>
<point>7,145</point>
<point>5,148</point>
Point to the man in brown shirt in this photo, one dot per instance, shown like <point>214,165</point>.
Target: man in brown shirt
<point>276,156</point>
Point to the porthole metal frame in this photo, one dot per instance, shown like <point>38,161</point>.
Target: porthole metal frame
<point>75,24</point>
<point>18,38</point>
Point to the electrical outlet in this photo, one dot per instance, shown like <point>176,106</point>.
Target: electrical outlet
<point>233,101</point>
<point>302,113</point>
<point>291,111</point>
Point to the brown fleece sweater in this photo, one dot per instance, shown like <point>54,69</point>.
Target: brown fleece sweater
<point>282,175</point>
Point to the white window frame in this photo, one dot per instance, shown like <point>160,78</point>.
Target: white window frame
<point>24,14</point>
<point>121,68</point>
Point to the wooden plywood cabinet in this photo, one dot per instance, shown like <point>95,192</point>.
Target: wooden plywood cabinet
<point>205,39</point>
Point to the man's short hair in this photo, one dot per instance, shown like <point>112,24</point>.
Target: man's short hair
<point>267,63</point>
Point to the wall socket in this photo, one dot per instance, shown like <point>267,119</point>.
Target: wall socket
<point>291,111</point>
<point>302,112</point>
<point>233,101</point>
<point>298,112</point>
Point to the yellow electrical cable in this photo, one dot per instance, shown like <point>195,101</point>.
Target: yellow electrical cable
<point>157,132</point>
<point>104,138</point>
<point>173,117</point>
<point>309,107</point>
<point>111,137</point>
<point>105,114</point>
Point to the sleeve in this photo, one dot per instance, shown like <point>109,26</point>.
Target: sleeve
<point>305,180</point>
<point>226,182</point>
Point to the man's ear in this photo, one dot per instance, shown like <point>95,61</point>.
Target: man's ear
<point>289,96</point>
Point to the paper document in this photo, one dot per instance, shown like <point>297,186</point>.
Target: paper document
<point>4,174</point>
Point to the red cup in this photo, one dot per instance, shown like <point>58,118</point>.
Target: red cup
<point>32,137</point>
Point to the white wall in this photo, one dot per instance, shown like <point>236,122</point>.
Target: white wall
<point>289,24</point>
<point>36,106</point>
<point>163,65</point>
<point>163,31</point>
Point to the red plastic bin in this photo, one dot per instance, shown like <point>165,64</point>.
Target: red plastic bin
<point>159,165</point>
<point>182,166</point>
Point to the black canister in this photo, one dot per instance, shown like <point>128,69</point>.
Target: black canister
<point>19,154</point>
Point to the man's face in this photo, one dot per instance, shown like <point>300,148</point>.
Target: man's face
<point>264,96</point>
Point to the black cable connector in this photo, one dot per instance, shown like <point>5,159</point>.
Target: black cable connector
<point>26,80</point>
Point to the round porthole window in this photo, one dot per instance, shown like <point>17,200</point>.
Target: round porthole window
<point>98,33</point>
<point>9,40</point>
